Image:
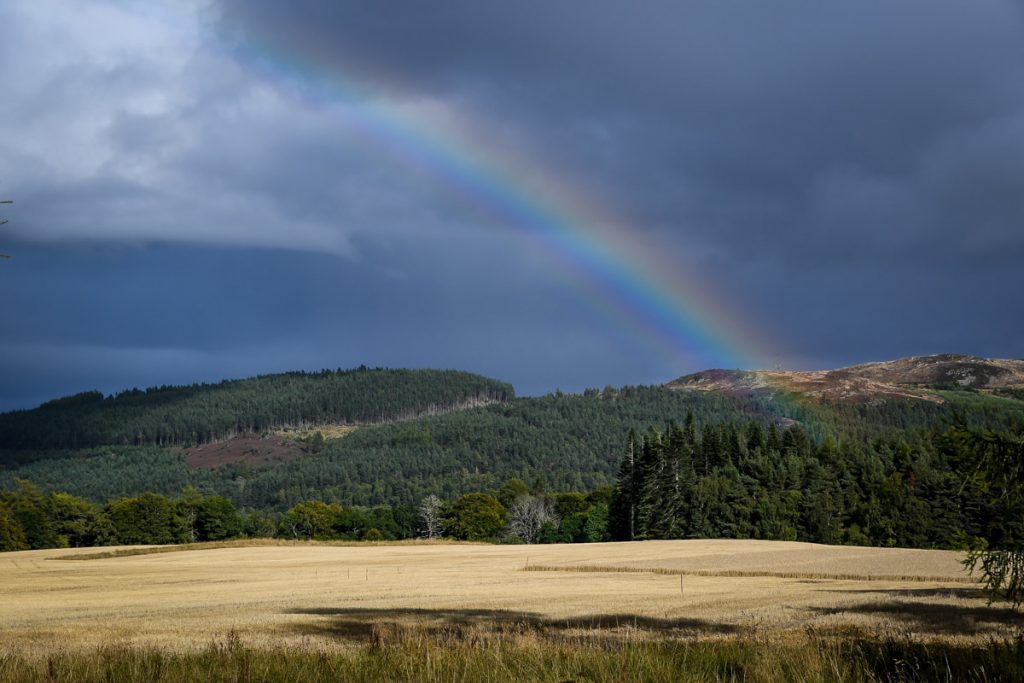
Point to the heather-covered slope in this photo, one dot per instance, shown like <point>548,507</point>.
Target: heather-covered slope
<point>916,377</point>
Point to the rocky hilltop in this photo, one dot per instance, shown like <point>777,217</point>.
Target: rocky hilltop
<point>915,377</point>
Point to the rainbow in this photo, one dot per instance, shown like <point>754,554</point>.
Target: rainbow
<point>587,245</point>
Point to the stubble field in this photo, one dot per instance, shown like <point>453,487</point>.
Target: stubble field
<point>337,597</point>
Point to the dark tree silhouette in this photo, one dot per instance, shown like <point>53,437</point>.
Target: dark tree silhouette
<point>999,473</point>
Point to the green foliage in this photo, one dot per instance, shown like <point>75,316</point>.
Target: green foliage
<point>575,441</point>
<point>476,517</point>
<point>29,509</point>
<point>586,526</point>
<point>316,442</point>
<point>12,537</point>
<point>595,528</point>
<point>310,519</point>
<point>887,492</point>
<point>998,475</point>
<point>844,473</point>
<point>257,525</point>
<point>949,490</point>
<point>77,522</point>
<point>109,472</point>
<point>570,503</point>
<point>217,519</point>
<point>510,490</point>
<point>155,519</point>
<point>202,413</point>
<point>146,519</point>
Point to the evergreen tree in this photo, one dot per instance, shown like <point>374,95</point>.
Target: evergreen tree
<point>710,450</point>
<point>650,469</point>
<point>774,441</point>
<point>999,467</point>
<point>734,449</point>
<point>623,510</point>
<point>690,429</point>
<point>755,437</point>
<point>675,485</point>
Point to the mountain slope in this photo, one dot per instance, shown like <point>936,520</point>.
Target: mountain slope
<point>916,377</point>
<point>565,441</point>
<point>209,412</point>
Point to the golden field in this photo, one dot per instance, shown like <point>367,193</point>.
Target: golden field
<point>327,596</point>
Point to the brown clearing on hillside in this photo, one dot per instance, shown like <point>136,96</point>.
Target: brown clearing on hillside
<point>256,451</point>
<point>262,451</point>
<point>337,597</point>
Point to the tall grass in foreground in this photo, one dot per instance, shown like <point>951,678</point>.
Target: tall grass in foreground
<point>409,655</point>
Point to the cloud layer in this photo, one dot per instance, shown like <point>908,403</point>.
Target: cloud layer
<point>213,177</point>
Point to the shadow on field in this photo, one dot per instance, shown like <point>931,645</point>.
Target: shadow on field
<point>966,593</point>
<point>476,624</point>
<point>935,617</point>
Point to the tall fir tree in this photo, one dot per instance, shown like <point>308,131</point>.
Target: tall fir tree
<point>677,483</point>
<point>650,467</point>
<point>690,429</point>
<point>774,441</point>
<point>710,449</point>
<point>755,437</point>
<point>622,512</point>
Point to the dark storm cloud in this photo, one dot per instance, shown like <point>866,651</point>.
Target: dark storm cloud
<point>192,202</point>
<point>801,129</point>
<point>112,318</point>
<point>775,145</point>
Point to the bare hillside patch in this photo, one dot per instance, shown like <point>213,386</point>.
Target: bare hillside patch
<point>253,450</point>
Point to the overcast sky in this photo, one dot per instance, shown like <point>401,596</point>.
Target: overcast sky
<point>207,190</point>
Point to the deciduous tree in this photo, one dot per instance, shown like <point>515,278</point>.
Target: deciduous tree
<point>432,516</point>
<point>476,517</point>
<point>528,516</point>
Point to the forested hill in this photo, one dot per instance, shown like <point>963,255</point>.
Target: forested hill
<point>564,442</point>
<point>201,413</point>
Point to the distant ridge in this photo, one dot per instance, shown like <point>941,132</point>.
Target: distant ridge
<point>204,413</point>
<point>915,377</point>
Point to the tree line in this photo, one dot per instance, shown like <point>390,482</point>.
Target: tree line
<point>31,519</point>
<point>731,481</point>
<point>689,480</point>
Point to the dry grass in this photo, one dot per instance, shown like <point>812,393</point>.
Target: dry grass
<point>904,578</point>
<point>330,431</point>
<point>336,597</point>
<point>129,551</point>
<point>412,656</point>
